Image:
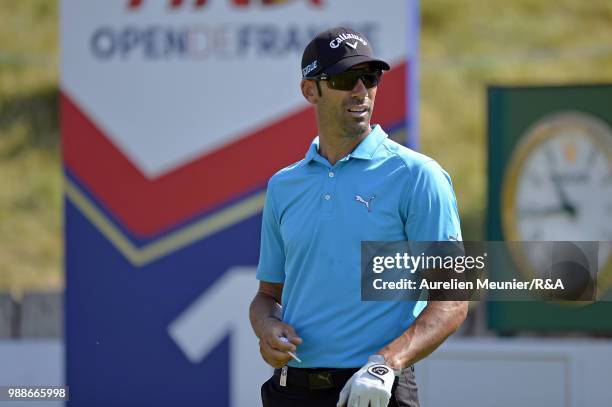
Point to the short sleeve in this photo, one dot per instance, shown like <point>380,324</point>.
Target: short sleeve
<point>432,207</point>
<point>271,266</point>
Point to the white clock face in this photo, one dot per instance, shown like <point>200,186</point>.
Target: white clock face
<point>560,186</point>
<point>565,190</point>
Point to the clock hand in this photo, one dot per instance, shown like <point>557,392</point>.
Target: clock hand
<point>565,204</point>
<point>549,211</point>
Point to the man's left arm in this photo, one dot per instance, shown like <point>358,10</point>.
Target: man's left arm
<point>436,322</point>
<point>433,216</point>
<point>374,381</point>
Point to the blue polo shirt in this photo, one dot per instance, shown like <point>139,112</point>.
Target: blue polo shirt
<point>314,220</point>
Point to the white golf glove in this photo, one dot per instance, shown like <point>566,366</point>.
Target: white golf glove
<point>370,386</point>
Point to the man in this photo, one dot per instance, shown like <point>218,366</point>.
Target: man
<point>353,185</point>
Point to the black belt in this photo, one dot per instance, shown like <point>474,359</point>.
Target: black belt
<point>315,379</point>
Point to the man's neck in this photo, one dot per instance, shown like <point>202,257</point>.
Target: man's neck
<point>334,146</point>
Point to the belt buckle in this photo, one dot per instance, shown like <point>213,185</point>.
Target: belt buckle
<point>320,381</point>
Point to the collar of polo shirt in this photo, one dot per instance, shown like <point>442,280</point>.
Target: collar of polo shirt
<point>365,150</point>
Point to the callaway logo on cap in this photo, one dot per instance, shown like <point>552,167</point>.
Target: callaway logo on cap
<point>337,50</point>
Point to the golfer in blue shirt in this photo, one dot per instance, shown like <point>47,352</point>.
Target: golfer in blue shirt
<point>354,184</point>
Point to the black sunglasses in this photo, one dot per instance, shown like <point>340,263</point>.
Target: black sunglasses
<point>348,79</point>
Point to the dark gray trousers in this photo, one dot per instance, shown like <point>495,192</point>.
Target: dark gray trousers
<point>403,394</point>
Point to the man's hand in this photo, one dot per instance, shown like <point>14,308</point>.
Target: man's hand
<point>272,349</point>
<point>370,386</point>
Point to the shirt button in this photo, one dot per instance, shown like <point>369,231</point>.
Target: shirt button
<point>331,174</point>
<point>327,197</point>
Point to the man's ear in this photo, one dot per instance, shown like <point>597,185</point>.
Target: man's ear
<point>310,91</point>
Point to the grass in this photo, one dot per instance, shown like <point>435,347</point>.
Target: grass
<point>465,45</point>
<point>468,44</point>
<point>30,197</point>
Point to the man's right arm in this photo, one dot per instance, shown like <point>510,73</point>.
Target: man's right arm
<point>265,316</point>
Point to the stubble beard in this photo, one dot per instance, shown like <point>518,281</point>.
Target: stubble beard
<point>353,129</point>
<point>345,126</point>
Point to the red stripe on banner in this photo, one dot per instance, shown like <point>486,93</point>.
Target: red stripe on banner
<point>134,3</point>
<point>147,207</point>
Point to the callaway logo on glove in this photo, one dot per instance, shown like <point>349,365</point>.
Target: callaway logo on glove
<point>370,386</point>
